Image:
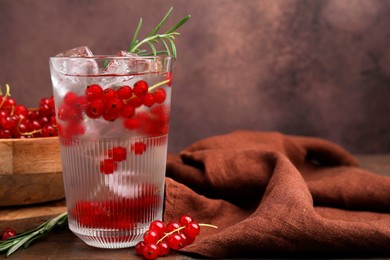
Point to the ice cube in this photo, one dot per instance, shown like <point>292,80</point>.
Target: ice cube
<point>135,65</point>
<point>82,51</point>
<point>75,64</point>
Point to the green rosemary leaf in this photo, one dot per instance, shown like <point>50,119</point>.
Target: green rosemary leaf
<point>173,47</point>
<point>161,22</point>
<point>153,48</point>
<point>33,239</point>
<point>166,47</point>
<point>154,38</point>
<point>24,239</point>
<point>19,244</point>
<point>175,27</point>
<point>158,53</point>
<point>135,41</point>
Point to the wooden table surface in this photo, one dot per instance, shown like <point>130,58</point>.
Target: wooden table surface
<point>62,244</point>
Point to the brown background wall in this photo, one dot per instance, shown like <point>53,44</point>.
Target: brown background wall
<point>318,68</point>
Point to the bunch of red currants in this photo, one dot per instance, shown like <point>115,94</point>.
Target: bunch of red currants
<point>17,121</point>
<point>161,238</point>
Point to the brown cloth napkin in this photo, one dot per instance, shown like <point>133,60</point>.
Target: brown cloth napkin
<point>270,193</point>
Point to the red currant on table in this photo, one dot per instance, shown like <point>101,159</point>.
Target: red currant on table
<point>8,232</point>
<point>184,220</point>
<point>139,248</point>
<point>176,241</point>
<point>172,226</point>
<point>192,229</point>
<point>151,251</point>
<point>163,249</point>
<point>157,226</point>
<point>161,238</point>
<point>150,236</point>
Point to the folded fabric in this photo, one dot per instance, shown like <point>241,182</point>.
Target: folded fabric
<point>270,193</point>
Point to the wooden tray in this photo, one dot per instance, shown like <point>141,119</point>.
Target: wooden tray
<point>30,171</point>
<point>24,218</point>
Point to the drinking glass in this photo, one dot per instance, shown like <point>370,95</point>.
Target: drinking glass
<point>112,116</point>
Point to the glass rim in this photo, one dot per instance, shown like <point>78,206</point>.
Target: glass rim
<point>103,56</point>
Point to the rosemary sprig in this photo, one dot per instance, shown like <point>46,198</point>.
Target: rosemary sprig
<point>166,39</point>
<point>24,239</point>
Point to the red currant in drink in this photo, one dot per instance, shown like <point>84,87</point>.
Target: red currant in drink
<point>112,115</point>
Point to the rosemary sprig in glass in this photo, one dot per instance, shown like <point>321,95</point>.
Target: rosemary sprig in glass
<point>166,39</point>
<point>24,239</point>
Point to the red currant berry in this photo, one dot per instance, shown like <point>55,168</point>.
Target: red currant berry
<point>34,114</point>
<point>44,120</point>
<point>172,226</point>
<point>93,91</point>
<point>110,116</point>
<point>159,96</point>
<point>127,111</point>
<point>135,101</point>
<point>158,226</point>
<point>108,166</point>
<point>175,241</point>
<point>114,106</point>
<point>8,122</point>
<point>69,99</point>
<point>151,251</point>
<point>63,113</point>
<point>138,148</point>
<point>139,248</point>
<point>148,100</point>
<point>5,133</point>
<point>8,232</point>
<point>163,249</point>
<point>192,229</point>
<point>169,77</point>
<point>189,240</point>
<point>75,128</point>
<point>48,131</point>
<point>131,123</point>
<point>95,108</point>
<point>81,103</point>
<point>23,128</point>
<point>118,153</point>
<point>140,88</point>
<point>184,220</point>
<point>75,115</point>
<point>109,93</point>
<point>184,237</point>
<point>124,92</point>
<point>21,110</point>
<point>150,236</point>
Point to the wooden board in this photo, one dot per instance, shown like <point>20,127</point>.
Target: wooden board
<point>24,218</point>
<point>34,155</point>
<point>30,171</point>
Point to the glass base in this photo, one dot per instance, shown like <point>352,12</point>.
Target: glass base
<point>110,239</point>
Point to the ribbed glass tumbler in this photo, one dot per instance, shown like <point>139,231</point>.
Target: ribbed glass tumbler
<point>112,116</point>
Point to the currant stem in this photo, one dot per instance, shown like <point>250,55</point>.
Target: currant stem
<point>180,228</point>
<point>158,84</point>
<point>26,133</point>
<point>207,225</point>
<point>7,94</point>
<point>170,233</point>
